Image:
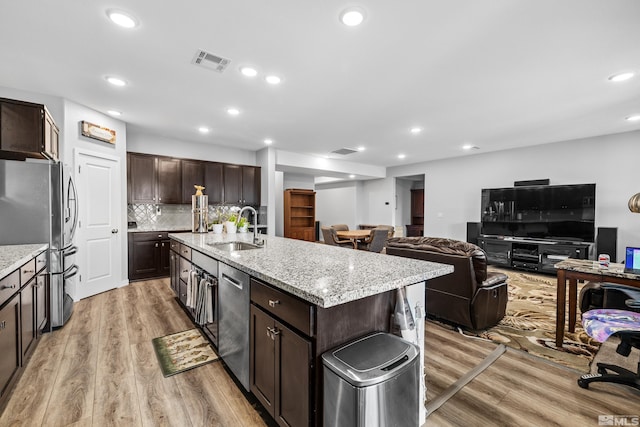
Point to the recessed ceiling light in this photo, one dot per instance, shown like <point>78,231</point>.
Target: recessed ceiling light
<point>352,17</point>
<point>361,148</point>
<point>620,77</point>
<point>416,130</point>
<point>116,81</point>
<point>468,147</point>
<point>273,80</point>
<point>268,141</point>
<point>633,118</point>
<point>114,113</point>
<point>122,19</point>
<point>352,176</point>
<point>248,71</point>
<point>233,111</point>
<point>203,129</point>
<point>401,156</point>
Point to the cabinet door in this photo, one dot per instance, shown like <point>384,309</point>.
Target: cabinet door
<point>293,378</point>
<point>192,174</point>
<point>262,358</point>
<point>174,269</point>
<point>165,264</point>
<point>169,180</point>
<point>9,342</point>
<point>27,317</point>
<point>251,185</point>
<point>42,306</point>
<point>233,184</point>
<point>214,182</point>
<point>143,259</point>
<point>141,178</point>
<point>50,137</point>
<point>21,127</point>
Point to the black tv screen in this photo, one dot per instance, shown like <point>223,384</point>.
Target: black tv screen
<point>553,212</point>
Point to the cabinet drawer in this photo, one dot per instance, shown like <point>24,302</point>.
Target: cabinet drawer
<point>185,268</point>
<point>175,246</point>
<point>27,272</point>
<point>9,286</point>
<point>41,261</point>
<point>145,236</point>
<point>288,308</point>
<point>185,251</point>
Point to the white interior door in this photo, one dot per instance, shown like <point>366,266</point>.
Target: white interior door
<point>99,236</point>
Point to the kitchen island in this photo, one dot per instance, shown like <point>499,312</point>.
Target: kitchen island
<point>309,298</point>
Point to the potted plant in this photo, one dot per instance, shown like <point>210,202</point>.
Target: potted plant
<point>230,223</point>
<point>243,224</point>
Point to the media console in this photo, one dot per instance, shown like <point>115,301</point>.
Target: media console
<point>532,255</point>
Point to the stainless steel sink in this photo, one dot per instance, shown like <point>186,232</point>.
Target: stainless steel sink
<point>234,246</point>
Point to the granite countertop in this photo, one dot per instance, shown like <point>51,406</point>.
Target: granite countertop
<point>13,257</point>
<point>593,267</point>
<point>321,274</point>
<point>159,228</point>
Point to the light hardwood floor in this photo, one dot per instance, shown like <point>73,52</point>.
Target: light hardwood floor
<point>100,370</point>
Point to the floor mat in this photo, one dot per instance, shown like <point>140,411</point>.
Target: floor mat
<point>182,351</point>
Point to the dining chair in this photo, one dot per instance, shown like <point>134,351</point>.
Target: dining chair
<point>331,238</point>
<point>391,230</point>
<point>340,227</point>
<point>376,240</point>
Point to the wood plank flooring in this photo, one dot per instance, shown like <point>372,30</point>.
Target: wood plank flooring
<point>100,370</point>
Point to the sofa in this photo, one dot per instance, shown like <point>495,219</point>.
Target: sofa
<point>470,296</point>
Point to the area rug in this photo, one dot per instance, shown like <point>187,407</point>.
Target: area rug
<point>182,351</point>
<point>530,322</point>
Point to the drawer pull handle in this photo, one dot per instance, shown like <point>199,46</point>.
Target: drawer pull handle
<point>3,324</point>
<point>273,303</point>
<point>28,271</point>
<point>8,286</point>
<point>272,332</point>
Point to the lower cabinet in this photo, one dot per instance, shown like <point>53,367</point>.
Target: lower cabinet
<point>281,365</point>
<point>148,255</point>
<point>27,317</point>
<point>9,343</point>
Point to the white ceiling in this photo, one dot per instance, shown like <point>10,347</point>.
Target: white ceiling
<point>496,73</point>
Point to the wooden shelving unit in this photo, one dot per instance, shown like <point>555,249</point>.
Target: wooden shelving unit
<point>300,214</point>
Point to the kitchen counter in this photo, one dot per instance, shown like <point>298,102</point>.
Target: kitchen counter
<point>158,228</point>
<point>13,257</point>
<point>321,274</point>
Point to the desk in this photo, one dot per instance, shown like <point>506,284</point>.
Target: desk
<point>572,270</point>
<point>354,236</point>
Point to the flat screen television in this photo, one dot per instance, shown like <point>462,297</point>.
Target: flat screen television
<point>545,212</point>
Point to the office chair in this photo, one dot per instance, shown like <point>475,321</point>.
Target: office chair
<point>602,323</point>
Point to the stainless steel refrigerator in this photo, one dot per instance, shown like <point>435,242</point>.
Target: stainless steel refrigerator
<point>38,204</point>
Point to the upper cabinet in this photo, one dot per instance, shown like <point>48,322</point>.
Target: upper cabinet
<point>27,130</point>
<point>166,180</point>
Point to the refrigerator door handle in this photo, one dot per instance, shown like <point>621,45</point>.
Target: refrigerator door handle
<point>72,195</point>
<point>72,271</point>
<point>70,250</point>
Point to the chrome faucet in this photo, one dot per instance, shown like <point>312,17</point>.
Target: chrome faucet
<point>255,224</point>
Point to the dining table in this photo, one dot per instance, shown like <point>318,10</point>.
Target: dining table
<point>354,235</point>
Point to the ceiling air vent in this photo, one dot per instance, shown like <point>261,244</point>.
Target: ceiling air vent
<point>210,61</point>
<point>344,151</point>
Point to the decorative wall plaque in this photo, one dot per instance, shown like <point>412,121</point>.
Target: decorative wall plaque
<point>98,132</point>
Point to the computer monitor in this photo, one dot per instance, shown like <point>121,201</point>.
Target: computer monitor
<point>632,260</point>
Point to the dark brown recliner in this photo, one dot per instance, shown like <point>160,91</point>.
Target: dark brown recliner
<point>469,296</point>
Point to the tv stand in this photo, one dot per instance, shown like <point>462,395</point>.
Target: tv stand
<point>532,255</point>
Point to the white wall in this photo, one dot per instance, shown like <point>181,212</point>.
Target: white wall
<point>141,142</point>
<point>452,186</point>
<point>336,203</point>
<point>378,204</point>
<point>299,181</point>
<point>403,205</point>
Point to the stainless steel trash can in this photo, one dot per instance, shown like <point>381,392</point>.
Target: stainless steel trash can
<point>373,382</point>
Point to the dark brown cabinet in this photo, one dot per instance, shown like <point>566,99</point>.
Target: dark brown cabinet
<point>27,130</point>
<point>169,174</point>
<point>192,174</point>
<point>23,314</point>
<point>149,255</point>
<point>165,180</point>
<point>141,178</point>
<point>416,228</point>
<point>281,359</point>
<point>214,182</point>
<point>9,343</point>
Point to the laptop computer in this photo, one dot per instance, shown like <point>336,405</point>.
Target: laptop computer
<point>632,261</point>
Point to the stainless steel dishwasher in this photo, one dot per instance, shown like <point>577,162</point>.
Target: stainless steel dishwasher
<point>233,321</point>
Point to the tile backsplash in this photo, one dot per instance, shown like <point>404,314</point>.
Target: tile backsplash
<point>175,216</point>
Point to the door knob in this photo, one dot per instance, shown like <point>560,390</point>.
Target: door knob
<point>114,230</point>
